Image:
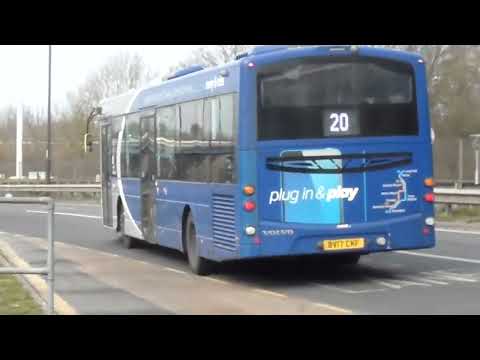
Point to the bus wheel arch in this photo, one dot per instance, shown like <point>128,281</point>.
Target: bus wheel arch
<point>119,212</point>
<point>126,240</point>
<point>186,212</point>
<point>191,245</point>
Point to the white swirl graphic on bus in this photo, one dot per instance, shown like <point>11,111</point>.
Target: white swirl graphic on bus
<point>294,196</point>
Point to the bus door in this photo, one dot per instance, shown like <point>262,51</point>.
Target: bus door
<point>107,163</point>
<point>148,173</point>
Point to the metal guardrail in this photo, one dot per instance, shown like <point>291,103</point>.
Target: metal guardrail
<point>53,188</point>
<point>457,196</point>
<point>443,195</point>
<point>459,184</point>
<point>49,269</point>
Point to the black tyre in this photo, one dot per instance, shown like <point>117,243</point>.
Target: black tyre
<point>199,265</point>
<point>127,241</point>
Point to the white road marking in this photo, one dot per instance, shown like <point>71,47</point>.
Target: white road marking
<point>217,281</point>
<point>334,308</point>
<point>433,256</point>
<point>398,284</point>
<point>388,284</point>
<point>66,214</point>
<point>348,291</point>
<point>174,270</point>
<point>431,281</point>
<point>268,292</point>
<point>454,276</point>
<point>412,283</point>
<point>458,231</point>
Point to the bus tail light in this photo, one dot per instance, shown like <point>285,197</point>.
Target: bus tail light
<point>429,197</point>
<point>429,182</point>
<point>249,190</point>
<point>249,205</point>
<point>426,230</point>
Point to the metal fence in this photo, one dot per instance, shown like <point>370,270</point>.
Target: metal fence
<point>454,160</point>
<point>68,165</point>
<point>49,269</point>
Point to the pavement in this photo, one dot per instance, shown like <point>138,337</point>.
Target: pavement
<point>96,275</point>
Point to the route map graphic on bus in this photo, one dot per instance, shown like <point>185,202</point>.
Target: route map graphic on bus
<point>397,193</point>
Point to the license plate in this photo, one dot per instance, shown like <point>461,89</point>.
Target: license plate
<point>343,244</point>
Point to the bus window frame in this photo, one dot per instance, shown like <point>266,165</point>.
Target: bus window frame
<point>339,58</point>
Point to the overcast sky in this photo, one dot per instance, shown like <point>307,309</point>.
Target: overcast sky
<point>24,68</point>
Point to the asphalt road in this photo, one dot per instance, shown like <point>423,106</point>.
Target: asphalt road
<point>443,280</point>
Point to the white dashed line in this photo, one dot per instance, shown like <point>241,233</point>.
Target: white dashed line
<point>471,261</point>
<point>457,231</point>
<point>217,281</point>
<point>455,277</point>
<point>388,284</point>
<point>334,308</point>
<point>431,281</point>
<point>66,214</point>
<point>268,292</point>
<point>174,270</point>
<point>348,291</point>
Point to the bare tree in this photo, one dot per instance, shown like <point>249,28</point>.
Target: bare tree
<point>118,75</point>
<point>212,55</point>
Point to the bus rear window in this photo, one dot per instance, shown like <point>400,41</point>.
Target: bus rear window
<point>318,98</point>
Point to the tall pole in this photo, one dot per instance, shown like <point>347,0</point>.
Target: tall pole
<point>49,125</point>
<point>477,165</point>
<point>19,153</point>
<point>460,163</point>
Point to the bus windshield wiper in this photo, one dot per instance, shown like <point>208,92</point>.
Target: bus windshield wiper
<point>336,164</point>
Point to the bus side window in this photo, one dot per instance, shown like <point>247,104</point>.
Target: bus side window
<point>192,157</point>
<point>132,140</point>
<point>223,125</point>
<point>123,153</point>
<point>214,116</point>
<point>167,138</point>
<point>116,126</point>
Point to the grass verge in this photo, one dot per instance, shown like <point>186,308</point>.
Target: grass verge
<point>15,299</point>
<point>466,214</point>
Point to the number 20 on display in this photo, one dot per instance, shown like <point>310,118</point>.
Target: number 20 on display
<point>340,122</point>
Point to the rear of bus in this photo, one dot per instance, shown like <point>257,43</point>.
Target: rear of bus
<point>335,153</point>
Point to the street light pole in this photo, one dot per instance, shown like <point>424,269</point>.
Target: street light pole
<point>49,125</point>
<point>477,166</point>
<point>476,148</point>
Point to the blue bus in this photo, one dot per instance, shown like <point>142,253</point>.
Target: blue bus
<point>322,150</point>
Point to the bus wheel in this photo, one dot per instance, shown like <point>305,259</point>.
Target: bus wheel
<point>199,265</point>
<point>127,241</point>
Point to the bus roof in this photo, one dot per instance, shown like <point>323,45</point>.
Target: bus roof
<point>197,82</point>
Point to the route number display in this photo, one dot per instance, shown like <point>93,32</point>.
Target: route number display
<point>340,123</point>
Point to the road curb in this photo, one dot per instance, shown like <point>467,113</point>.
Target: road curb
<point>37,286</point>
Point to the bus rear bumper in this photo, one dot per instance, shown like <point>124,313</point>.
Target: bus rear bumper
<point>280,239</point>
